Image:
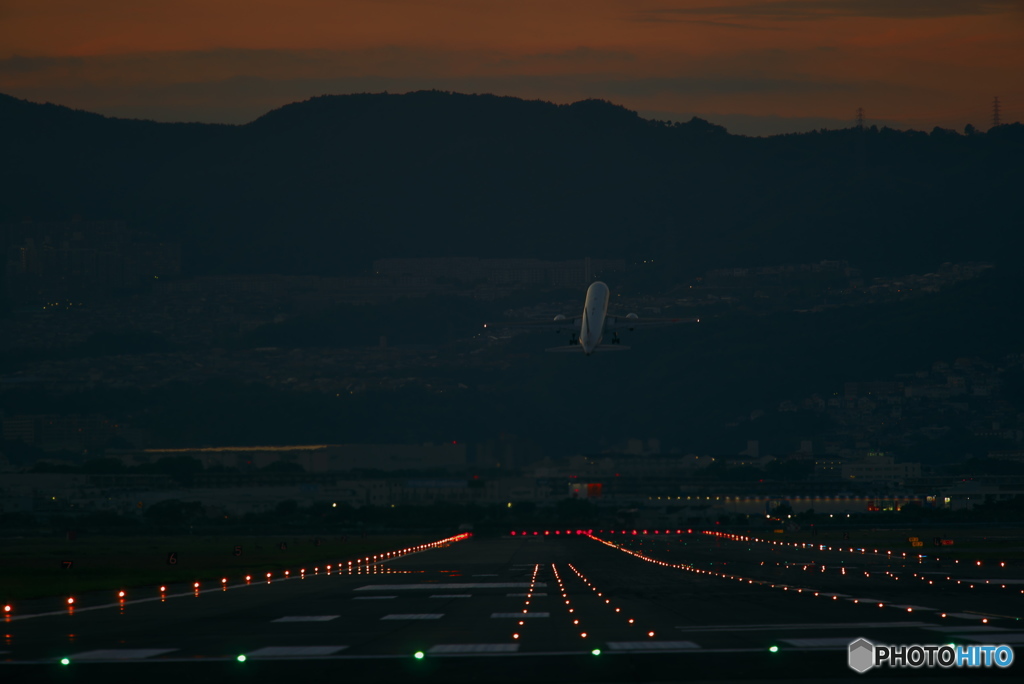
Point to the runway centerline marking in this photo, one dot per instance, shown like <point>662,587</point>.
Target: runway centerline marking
<point>367,598</point>
<point>652,645</point>
<point>121,653</point>
<point>473,648</point>
<point>821,642</point>
<point>277,651</point>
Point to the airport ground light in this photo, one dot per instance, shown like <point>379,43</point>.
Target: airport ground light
<point>886,554</point>
<point>356,566</point>
<point>750,581</point>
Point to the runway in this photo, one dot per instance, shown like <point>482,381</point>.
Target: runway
<point>687,607</point>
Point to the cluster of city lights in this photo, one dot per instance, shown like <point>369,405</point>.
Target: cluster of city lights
<point>744,580</point>
<point>367,564</point>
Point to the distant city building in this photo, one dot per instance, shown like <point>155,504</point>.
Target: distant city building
<point>879,469</point>
<point>62,263</point>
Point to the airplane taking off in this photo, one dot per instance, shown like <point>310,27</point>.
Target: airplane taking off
<point>587,330</point>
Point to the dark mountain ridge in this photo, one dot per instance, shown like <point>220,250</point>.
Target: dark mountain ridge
<point>327,185</point>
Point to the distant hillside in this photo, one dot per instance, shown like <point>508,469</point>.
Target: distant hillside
<point>327,185</point>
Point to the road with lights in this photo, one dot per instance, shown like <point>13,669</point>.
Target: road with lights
<point>568,608</point>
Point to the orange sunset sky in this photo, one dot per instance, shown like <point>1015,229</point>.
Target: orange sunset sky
<point>755,66</point>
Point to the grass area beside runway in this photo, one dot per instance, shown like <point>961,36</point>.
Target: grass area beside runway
<point>986,543</point>
<point>35,567</point>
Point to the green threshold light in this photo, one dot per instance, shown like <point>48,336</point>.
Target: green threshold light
<point>418,655</point>
<point>596,651</point>
<point>65,661</point>
<point>774,649</point>
<point>241,658</point>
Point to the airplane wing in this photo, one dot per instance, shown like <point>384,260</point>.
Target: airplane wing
<point>559,323</point>
<point>632,322</point>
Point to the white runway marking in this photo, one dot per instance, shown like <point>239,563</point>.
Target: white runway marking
<point>306,618</point>
<point>965,628</point>
<point>121,653</point>
<point>304,651</point>
<point>473,648</point>
<point>989,638</point>
<point>520,615</point>
<point>365,598</point>
<point>457,585</point>
<point>821,642</point>
<point>804,625</point>
<point>651,645</point>
<point>413,616</point>
<point>448,596</point>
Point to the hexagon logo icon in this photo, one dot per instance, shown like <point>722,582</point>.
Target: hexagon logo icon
<point>862,655</point>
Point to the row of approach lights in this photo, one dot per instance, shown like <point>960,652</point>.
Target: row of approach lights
<point>743,580</point>
<point>571,610</point>
<point>356,566</point>
<point>862,551</point>
<point>526,601</point>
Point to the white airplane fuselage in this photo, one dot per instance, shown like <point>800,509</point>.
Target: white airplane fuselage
<point>594,312</point>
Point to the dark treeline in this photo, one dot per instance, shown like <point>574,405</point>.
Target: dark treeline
<point>327,185</point>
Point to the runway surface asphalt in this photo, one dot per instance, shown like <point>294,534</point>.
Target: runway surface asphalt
<point>565,608</point>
